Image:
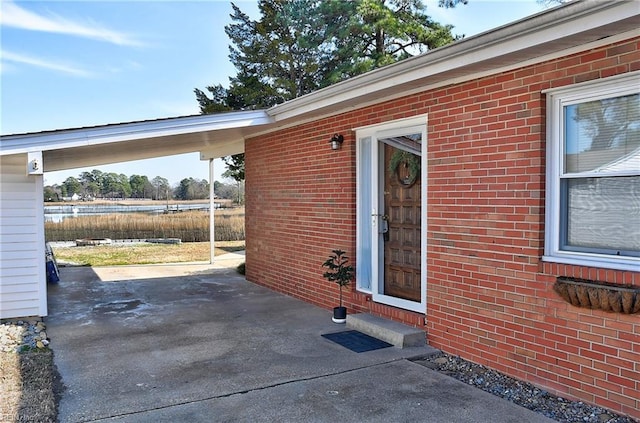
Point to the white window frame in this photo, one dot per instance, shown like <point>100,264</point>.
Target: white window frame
<point>557,99</point>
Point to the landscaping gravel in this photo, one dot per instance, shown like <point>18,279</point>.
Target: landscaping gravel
<point>22,335</point>
<point>29,381</point>
<point>521,393</point>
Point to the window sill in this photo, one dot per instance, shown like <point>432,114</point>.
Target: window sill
<point>630,265</point>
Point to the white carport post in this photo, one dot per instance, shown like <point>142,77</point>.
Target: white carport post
<point>212,208</point>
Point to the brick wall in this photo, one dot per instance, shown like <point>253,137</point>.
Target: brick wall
<point>490,298</point>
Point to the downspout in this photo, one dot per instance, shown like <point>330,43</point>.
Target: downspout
<point>212,208</point>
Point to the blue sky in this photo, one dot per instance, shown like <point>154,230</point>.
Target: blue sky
<point>68,64</point>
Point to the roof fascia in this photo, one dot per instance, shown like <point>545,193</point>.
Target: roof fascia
<point>55,140</point>
<point>545,27</point>
<point>430,85</point>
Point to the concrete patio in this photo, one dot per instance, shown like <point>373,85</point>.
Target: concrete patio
<point>197,342</point>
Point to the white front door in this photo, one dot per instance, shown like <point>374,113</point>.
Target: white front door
<point>391,216</point>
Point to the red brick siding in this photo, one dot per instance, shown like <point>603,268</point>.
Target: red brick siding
<point>490,298</point>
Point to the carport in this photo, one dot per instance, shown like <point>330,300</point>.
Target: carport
<point>25,158</point>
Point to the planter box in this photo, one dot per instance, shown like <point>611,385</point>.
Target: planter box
<point>599,295</point>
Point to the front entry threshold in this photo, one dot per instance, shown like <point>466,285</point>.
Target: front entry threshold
<point>397,334</point>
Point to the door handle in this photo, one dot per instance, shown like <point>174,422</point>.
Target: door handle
<point>385,226</point>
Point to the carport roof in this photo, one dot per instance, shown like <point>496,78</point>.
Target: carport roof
<point>222,133</point>
<point>550,34</point>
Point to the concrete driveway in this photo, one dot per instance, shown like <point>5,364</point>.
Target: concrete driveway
<point>197,343</point>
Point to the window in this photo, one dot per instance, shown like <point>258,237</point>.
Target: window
<point>593,174</point>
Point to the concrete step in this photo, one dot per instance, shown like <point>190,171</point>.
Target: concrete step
<point>398,334</point>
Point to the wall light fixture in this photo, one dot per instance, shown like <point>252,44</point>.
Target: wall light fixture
<point>336,141</point>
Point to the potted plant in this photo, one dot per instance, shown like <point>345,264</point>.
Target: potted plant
<point>341,273</point>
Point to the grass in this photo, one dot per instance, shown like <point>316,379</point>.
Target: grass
<point>28,386</point>
<point>142,253</point>
<point>189,226</point>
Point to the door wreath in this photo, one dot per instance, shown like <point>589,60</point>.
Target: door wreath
<point>411,162</point>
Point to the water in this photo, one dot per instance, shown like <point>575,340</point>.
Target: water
<point>59,213</point>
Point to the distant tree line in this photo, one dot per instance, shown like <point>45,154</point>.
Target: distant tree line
<point>109,185</point>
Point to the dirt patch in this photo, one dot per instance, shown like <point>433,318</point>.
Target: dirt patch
<point>30,386</point>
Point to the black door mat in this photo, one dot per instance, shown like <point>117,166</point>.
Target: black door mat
<point>356,341</point>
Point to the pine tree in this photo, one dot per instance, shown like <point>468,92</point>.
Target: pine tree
<point>300,46</point>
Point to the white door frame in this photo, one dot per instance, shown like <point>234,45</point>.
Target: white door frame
<point>370,250</point>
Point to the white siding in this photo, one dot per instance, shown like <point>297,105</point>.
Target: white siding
<point>23,287</point>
